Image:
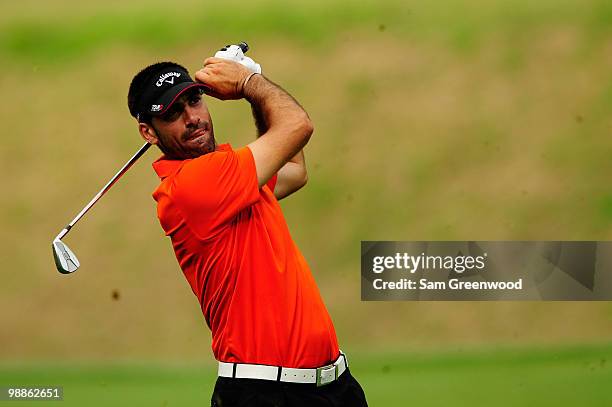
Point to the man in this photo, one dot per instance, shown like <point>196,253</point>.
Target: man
<point>271,333</point>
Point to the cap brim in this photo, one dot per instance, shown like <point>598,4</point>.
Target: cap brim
<point>172,94</point>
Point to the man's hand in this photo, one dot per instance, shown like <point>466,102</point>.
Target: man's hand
<point>223,78</point>
<point>236,53</point>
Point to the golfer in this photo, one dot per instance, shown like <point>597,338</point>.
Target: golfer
<point>271,333</point>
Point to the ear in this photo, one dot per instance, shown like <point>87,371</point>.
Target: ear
<point>148,133</point>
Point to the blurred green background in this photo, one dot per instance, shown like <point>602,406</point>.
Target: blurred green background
<point>454,119</point>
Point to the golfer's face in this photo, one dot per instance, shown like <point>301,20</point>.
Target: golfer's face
<point>185,130</point>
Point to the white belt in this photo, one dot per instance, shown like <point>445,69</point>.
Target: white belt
<point>319,376</point>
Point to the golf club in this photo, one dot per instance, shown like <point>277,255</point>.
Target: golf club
<point>65,259</point>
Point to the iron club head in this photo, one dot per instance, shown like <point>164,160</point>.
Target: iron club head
<point>65,261</point>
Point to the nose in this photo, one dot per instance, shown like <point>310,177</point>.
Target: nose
<point>191,116</point>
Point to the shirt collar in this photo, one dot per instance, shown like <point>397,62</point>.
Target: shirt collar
<point>165,167</point>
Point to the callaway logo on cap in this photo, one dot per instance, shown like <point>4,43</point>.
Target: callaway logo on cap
<point>163,88</point>
<point>167,78</point>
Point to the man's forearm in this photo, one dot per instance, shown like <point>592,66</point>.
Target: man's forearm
<point>271,105</point>
<point>284,127</point>
<point>262,126</point>
<point>292,176</point>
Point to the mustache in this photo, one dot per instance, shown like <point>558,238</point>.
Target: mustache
<point>189,132</point>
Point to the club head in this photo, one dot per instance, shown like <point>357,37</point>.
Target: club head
<point>65,261</point>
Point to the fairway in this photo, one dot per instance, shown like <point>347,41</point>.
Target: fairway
<point>577,376</point>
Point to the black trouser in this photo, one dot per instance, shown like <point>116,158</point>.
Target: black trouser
<point>345,392</point>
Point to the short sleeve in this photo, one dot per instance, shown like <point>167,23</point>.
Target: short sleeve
<point>213,189</point>
<point>272,182</point>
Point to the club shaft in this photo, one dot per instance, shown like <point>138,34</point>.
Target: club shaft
<point>108,186</point>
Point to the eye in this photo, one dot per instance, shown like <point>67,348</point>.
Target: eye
<point>173,113</point>
<point>195,99</point>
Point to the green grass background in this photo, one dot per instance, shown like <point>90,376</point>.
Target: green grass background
<point>575,376</point>
<point>454,119</point>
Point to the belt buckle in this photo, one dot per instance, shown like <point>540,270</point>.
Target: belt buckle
<point>325,369</point>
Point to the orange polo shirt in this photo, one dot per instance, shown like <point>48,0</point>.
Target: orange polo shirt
<point>231,240</point>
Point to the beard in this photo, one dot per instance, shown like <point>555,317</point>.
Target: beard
<point>201,145</point>
<point>189,145</point>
